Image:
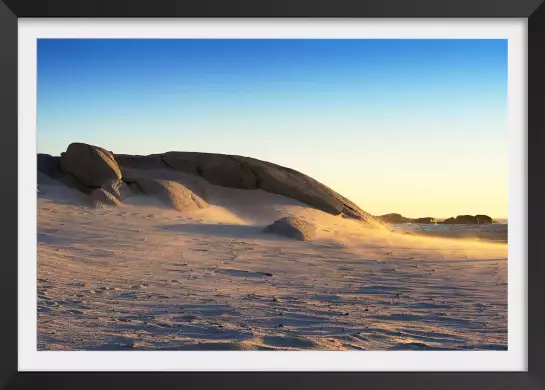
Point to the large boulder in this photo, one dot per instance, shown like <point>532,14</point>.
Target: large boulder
<point>171,193</point>
<point>293,227</point>
<point>394,218</point>
<point>89,165</point>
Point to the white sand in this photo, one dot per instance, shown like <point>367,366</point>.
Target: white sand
<point>143,276</point>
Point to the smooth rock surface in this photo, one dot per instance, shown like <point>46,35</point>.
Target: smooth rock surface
<point>89,165</point>
<point>293,227</point>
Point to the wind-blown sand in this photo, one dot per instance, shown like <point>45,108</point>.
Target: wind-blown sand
<point>140,275</point>
<point>488,232</point>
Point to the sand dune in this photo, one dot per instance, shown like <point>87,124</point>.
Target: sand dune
<point>143,276</point>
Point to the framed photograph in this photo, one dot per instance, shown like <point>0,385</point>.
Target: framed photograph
<point>313,195</point>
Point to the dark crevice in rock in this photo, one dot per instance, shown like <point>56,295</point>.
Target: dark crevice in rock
<point>350,212</point>
<point>167,164</point>
<point>247,168</point>
<point>258,180</point>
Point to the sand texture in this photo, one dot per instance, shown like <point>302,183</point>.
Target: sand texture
<point>141,275</point>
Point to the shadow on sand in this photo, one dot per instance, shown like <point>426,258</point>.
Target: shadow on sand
<point>224,230</point>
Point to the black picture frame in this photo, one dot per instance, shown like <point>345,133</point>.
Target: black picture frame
<point>533,10</point>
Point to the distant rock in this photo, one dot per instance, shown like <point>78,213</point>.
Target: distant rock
<point>427,220</point>
<point>89,165</point>
<point>466,219</point>
<point>100,197</point>
<point>394,218</point>
<point>293,227</point>
<point>398,218</point>
<point>172,194</point>
<point>483,219</point>
<point>469,220</point>
<point>460,219</point>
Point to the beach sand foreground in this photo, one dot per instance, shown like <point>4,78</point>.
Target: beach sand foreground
<point>142,276</point>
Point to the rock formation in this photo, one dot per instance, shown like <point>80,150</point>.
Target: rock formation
<point>394,218</point>
<point>398,218</point>
<point>88,167</point>
<point>483,219</point>
<point>426,220</point>
<point>469,220</point>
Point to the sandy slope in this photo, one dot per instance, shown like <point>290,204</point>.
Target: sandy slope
<point>146,277</point>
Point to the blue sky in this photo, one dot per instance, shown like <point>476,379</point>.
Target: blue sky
<point>411,126</point>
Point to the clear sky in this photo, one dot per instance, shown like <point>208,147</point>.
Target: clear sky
<point>417,127</point>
